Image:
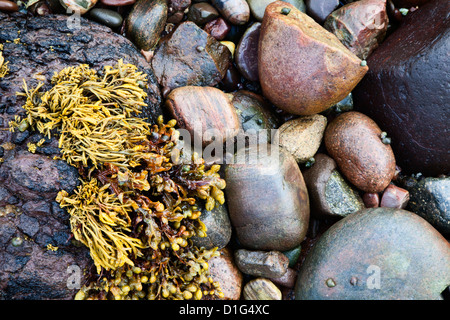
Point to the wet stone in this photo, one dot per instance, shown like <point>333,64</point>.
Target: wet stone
<point>201,13</point>
<point>217,28</point>
<point>371,200</point>
<point>394,197</point>
<point>107,17</point>
<point>8,6</point>
<point>320,9</point>
<point>235,11</point>
<point>267,264</point>
<point>246,56</point>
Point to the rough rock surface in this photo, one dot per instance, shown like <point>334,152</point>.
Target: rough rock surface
<point>30,220</point>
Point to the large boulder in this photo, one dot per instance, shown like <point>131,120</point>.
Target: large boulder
<point>406,90</point>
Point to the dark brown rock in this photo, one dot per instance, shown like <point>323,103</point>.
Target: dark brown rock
<point>394,197</point>
<point>353,141</point>
<point>320,9</point>
<point>201,13</point>
<point>381,253</point>
<point>267,199</point>
<point>224,270</point>
<point>201,61</point>
<point>246,55</point>
<point>217,28</point>
<point>406,90</point>
<point>8,6</point>
<point>303,69</point>
<point>198,109</point>
<point>371,200</point>
<point>359,25</point>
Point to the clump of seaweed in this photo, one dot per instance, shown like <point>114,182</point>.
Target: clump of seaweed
<point>3,65</point>
<point>136,208</point>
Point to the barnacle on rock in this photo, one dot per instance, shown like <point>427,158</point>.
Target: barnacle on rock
<point>136,208</point>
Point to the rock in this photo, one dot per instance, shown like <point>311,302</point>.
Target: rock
<point>217,28</point>
<point>179,5</point>
<point>29,182</point>
<point>301,137</point>
<point>287,280</point>
<point>246,56</point>
<point>81,6</point>
<point>8,6</point>
<point>235,11</point>
<point>329,193</point>
<point>267,198</point>
<point>406,90</point>
<point>314,70</point>
<point>371,200</point>
<point>232,80</point>
<point>224,270</point>
<point>409,3</point>
<point>320,9</point>
<point>218,226</point>
<point>107,17</point>
<point>255,115</point>
<point>201,13</point>
<point>261,289</point>
<point>201,61</point>
<point>375,254</point>
<point>145,22</point>
<point>359,25</point>
<point>353,141</point>
<point>293,255</point>
<point>203,111</point>
<point>265,264</point>
<point>258,7</point>
<point>394,197</point>
<point>429,198</point>
<point>117,3</point>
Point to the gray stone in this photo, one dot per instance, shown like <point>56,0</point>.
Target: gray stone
<point>267,264</point>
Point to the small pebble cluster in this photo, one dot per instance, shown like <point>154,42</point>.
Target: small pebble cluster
<point>355,91</point>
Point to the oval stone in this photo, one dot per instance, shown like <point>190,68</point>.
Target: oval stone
<point>303,68</point>
<point>8,6</point>
<point>353,140</point>
<point>246,56</point>
<point>235,11</point>
<point>117,3</point>
<point>107,17</point>
<point>267,198</point>
<point>376,254</point>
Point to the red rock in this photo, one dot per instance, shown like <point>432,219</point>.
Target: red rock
<point>217,28</point>
<point>117,3</point>
<point>371,200</point>
<point>394,197</point>
<point>353,141</point>
<point>303,68</point>
<point>207,107</point>
<point>359,25</point>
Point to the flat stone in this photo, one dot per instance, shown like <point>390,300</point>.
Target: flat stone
<point>303,68</point>
<point>354,141</point>
<point>330,194</point>
<point>406,90</point>
<point>235,11</point>
<point>359,25</point>
<point>201,61</point>
<point>267,198</point>
<point>224,270</point>
<point>376,254</point>
<point>246,56</point>
<point>204,110</point>
<point>394,197</point>
<point>267,264</point>
<point>302,136</point>
<point>429,198</point>
<point>261,289</point>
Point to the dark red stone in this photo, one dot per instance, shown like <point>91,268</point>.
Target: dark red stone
<point>246,55</point>
<point>406,90</point>
<point>217,28</point>
<point>371,200</point>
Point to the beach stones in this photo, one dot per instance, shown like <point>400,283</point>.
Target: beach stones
<point>145,23</point>
<point>376,254</point>
<point>430,199</point>
<point>320,9</point>
<point>235,11</point>
<point>354,141</point>
<point>302,136</point>
<point>406,90</point>
<point>359,25</point>
<point>314,71</point>
<point>267,198</point>
<point>246,55</point>
<point>202,109</point>
<point>201,61</point>
<point>329,193</point>
<point>224,270</point>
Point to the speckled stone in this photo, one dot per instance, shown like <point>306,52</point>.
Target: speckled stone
<point>267,264</point>
<point>224,270</point>
<point>261,289</point>
<point>353,141</point>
